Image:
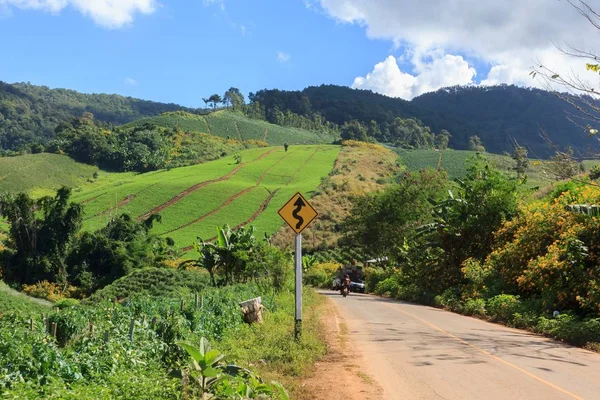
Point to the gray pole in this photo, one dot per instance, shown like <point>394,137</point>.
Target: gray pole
<point>298,326</point>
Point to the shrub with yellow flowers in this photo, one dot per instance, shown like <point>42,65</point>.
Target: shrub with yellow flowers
<point>551,253</point>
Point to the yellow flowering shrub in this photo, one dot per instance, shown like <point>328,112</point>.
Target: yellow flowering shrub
<point>49,291</point>
<point>552,253</point>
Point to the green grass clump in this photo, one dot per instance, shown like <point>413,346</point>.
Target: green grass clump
<point>11,300</point>
<point>42,174</point>
<point>160,282</point>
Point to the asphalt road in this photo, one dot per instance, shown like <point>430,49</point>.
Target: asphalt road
<point>418,352</point>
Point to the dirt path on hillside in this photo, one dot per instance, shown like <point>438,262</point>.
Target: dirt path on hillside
<point>342,374</point>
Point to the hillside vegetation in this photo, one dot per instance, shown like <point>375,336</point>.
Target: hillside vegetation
<point>40,174</point>
<point>360,168</point>
<point>231,125</point>
<point>29,114</point>
<point>455,163</point>
<point>194,200</point>
<point>497,114</point>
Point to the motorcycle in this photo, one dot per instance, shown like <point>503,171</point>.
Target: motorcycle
<point>346,288</point>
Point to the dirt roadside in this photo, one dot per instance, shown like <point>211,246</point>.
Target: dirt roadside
<point>342,373</point>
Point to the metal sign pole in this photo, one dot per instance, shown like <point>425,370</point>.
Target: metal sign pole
<point>298,326</point>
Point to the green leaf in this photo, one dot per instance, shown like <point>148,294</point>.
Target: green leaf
<point>213,357</point>
<point>192,350</point>
<point>593,67</point>
<point>210,372</point>
<point>283,394</point>
<point>204,346</point>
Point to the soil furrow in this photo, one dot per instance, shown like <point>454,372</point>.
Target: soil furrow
<point>227,201</point>
<point>200,185</point>
<point>259,211</point>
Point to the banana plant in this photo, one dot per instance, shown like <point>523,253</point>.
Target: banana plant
<point>206,364</point>
<point>237,382</point>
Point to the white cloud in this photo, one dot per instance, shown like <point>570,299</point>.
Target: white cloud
<point>442,71</point>
<point>106,13</point>
<point>220,3</point>
<point>508,35</point>
<point>130,81</point>
<point>283,57</point>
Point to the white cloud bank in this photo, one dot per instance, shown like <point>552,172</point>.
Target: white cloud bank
<point>110,14</point>
<point>443,71</point>
<point>130,81</point>
<point>510,36</point>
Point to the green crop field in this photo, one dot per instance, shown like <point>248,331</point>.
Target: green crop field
<point>193,201</point>
<point>232,125</point>
<point>41,174</point>
<point>455,162</point>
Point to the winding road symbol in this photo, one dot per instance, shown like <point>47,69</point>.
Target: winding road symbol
<point>298,213</point>
<point>300,204</point>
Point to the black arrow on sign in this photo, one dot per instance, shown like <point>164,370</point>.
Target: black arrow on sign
<point>300,204</point>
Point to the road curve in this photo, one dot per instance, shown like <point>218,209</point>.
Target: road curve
<point>419,352</point>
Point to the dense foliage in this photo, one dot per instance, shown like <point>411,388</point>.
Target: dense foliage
<point>44,244</point>
<point>497,114</point>
<point>111,360</point>
<point>140,147</point>
<point>485,248</point>
<point>29,114</point>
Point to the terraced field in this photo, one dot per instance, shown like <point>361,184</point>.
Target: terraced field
<point>228,124</point>
<point>194,200</point>
<point>455,161</point>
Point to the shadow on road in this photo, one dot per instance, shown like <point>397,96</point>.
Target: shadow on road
<point>433,345</point>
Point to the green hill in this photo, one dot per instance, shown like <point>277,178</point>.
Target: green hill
<point>227,124</point>
<point>40,174</point>
<point>194,200</point>
<point>455,161</point>
<point>497,114</point>
<point>29,113</point>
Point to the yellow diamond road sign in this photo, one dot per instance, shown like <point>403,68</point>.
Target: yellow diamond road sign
<point>298,213</point>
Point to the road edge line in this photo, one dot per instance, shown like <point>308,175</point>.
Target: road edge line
<point>487,353</point>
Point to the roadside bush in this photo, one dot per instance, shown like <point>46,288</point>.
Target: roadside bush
<point>66,303</point>
<point>570,328</point>
<point>449,300</point>
<point>503,307</point>
<point>388,287</point>
<point>474,307</point>
<point>374,275</point>
<point>321,275</point>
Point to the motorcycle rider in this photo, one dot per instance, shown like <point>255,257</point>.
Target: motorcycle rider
<point>346,283</point>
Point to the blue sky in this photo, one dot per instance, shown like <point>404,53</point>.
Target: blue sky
<point>186,50</point>
<point>180,51</point>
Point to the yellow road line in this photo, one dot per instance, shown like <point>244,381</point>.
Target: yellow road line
<point>487,353</point>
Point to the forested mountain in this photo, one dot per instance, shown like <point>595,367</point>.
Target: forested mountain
<point>496,114</point>
<point>29,114</point>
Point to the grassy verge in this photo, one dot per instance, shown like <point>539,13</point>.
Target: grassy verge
<point>270,348</point>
